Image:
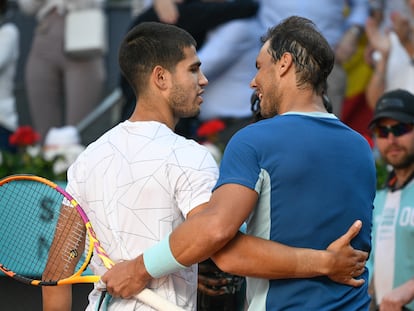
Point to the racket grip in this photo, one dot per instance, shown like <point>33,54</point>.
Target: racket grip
<point>157,302</point>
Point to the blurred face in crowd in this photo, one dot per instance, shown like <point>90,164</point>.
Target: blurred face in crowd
<point>395,142</point>
<point>188,82</point>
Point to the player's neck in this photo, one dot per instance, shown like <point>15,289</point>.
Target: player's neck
<point>150,112</point>
<point>304,102</point>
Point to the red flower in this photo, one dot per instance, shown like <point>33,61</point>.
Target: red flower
<point>24,136</point>
<point>210,128</point>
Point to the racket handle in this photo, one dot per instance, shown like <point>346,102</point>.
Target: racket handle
<point>150,298</point>
<point>157,302</point>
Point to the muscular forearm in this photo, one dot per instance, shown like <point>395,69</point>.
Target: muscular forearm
<point>251,256</point>
<point>193,242</point>
<point>274,259</point>
<point>190,243</point>
<point>189,248</point>
<point>204,233</point>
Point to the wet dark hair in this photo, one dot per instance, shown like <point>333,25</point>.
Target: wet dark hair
<point>150,44</point>
<point>312,54</point>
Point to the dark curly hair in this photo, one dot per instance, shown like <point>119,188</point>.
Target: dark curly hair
<point>312,55</point>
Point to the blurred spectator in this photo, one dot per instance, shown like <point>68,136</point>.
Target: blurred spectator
<point>9,53</point>
<point>197,17</point>
<point>391,55</point>
<point>356,112</point>
<point>166,10</point>
<point>227,95</point>
<point>392,234</point>
<point>61,89</point>
<point>382,10</point>
<point>341,23</point>
<point>138,6</point>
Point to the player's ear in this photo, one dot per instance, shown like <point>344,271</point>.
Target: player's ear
<point>285,62</point>
<point>160,76</point>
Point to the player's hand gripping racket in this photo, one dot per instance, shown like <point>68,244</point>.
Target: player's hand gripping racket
<point>46,239</point>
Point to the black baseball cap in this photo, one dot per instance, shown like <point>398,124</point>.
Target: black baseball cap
<point>397,105</point>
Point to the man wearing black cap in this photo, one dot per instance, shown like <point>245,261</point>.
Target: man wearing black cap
<point>393,228</point>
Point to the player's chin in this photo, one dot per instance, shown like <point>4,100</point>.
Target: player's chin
<point>197,104</point>
<point>196,111</point>
<point>189,113</point>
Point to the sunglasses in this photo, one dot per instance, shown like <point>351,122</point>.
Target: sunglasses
<point>396,130</point>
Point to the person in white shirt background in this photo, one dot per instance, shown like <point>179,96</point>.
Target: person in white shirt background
<point>9,54</point>
<point>61,89</point>
<point>393,56</point>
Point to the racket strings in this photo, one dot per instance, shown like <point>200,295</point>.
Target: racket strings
<point>28,213</point>
<point>31,218</point>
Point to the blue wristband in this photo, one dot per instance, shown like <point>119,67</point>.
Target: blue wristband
<point>159,260</point>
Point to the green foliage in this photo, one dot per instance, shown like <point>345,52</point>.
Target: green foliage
<point>29,158</point>
<point>24,163</point>
<point>382,173</point>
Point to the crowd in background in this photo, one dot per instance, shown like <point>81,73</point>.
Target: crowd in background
<point>373,43</point>
<point>62,90</point>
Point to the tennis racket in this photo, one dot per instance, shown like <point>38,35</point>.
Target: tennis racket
<point>46,239</point>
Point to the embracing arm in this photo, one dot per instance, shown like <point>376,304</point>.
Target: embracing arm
<point>272,260</point>
<point>203,234</point>
<point>246,255</point>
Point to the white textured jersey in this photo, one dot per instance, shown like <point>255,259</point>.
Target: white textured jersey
<point>137,183</point>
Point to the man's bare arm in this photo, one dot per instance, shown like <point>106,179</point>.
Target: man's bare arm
<point>204,233</point>
<point>340,261</point>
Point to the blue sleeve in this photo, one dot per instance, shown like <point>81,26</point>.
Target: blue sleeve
<point>240,164</point>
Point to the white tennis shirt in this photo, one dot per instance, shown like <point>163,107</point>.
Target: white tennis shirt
<point>137,183</point>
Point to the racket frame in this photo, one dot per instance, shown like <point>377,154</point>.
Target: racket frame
<point>146,296</point>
